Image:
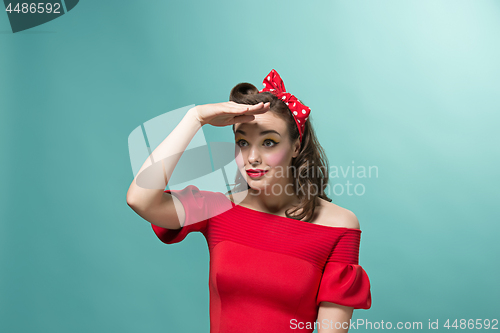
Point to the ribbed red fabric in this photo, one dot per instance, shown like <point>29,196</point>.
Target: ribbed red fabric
<point>269,273</point>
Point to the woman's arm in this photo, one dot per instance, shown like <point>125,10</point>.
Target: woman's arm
<point>334,318</point>
<point>152,203</point>
<point>337,317</point>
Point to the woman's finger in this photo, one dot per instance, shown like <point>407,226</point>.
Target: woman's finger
<point>244,118</point>
<point>259,108</point>
<point>243,107</point>
<point>262,109</point>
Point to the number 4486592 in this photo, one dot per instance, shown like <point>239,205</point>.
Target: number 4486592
<point>471,324</point>
<point>35,8</point>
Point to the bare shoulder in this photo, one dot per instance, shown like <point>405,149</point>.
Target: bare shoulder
<point>333,215</point>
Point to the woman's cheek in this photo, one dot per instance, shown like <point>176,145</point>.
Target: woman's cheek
<point>239,159</point>
<point>276,158</point>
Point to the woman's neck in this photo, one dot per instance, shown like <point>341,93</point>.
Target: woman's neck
<point>269,202</point>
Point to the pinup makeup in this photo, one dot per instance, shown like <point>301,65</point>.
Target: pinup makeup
<point>256,173</point>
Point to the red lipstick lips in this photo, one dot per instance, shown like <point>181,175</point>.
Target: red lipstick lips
<point>256,173</point>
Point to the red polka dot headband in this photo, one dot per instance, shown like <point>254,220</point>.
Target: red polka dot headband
<point>275,85</point>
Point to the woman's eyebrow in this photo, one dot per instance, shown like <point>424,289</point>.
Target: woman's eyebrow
<point>261,133</point>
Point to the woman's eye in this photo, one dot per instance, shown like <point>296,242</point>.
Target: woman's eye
<point>269,141</point>
<point>239,142</point>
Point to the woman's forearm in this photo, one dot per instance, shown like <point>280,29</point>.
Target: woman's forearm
<point>334,318</point>
<point>159,166</point>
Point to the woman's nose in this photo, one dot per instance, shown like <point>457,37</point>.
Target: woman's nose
<point>253,156</point>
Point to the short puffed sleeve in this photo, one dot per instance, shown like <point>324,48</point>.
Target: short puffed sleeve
<point>345,282</point>
<point>199,207</point>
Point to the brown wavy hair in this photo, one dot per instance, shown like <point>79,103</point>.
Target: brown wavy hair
<point>311,162</point>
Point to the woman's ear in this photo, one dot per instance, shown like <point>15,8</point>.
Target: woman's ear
<point>296,148</point>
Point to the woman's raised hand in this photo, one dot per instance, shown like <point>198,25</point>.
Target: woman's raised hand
<point>228,113</point>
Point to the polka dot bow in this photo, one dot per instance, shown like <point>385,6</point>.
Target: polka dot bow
<point>275,85</point>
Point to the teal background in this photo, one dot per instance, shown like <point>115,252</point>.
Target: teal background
<point>411,87</point>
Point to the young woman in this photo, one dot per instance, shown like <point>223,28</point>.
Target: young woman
<point>283,257</point>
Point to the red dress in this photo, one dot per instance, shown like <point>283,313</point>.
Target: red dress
<point>269,273</point>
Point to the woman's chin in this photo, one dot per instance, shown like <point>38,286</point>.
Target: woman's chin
<point>258,184</point>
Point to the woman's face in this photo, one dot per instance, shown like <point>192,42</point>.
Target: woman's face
<point>263,144</point>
